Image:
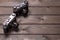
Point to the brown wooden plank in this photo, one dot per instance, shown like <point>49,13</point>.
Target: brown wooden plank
<point>32,2</point>
<point>40,37</point>
<point>44,10</point>
<point>22,37</point>
<point>10,2</point>
<point>2,1</point>
<point>41,19</point>
<point>30,37</point>
<point>11,37</point>
<point>52,37</point>
<point>5,10</point>
<point>34,10</point>
<point>36,30</point>
<point>40,29</point>
<point>44,2</point>
<point>34,19</point>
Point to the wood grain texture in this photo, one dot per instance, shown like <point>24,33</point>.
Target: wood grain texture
<point>52,37</point>
<point>42,12</point>
<point>41,19</point>
<point>35,30</point>
<point>30,37</point>
<point>4,1</point>
<point>5,10</point>
<point>31,2</point>
<point>22,37</point>
<point>34,19</point>
<point>44,2</point>
<point>34,10</point>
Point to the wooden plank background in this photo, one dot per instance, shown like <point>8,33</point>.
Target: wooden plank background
<point>43,22</point>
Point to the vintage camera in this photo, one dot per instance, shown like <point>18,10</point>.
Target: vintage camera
<point>11,23</point>
<point>22,9</point>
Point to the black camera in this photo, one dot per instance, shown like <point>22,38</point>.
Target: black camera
<point>11,22</point>
<point>22,9</point>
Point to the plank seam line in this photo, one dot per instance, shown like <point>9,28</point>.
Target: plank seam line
<point>35,14</point>
<point>37,24</point>
<point>29,34</point>
<point>30,6</point>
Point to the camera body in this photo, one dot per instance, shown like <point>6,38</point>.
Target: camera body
<point>22,9</point>
<point>11,22</point>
